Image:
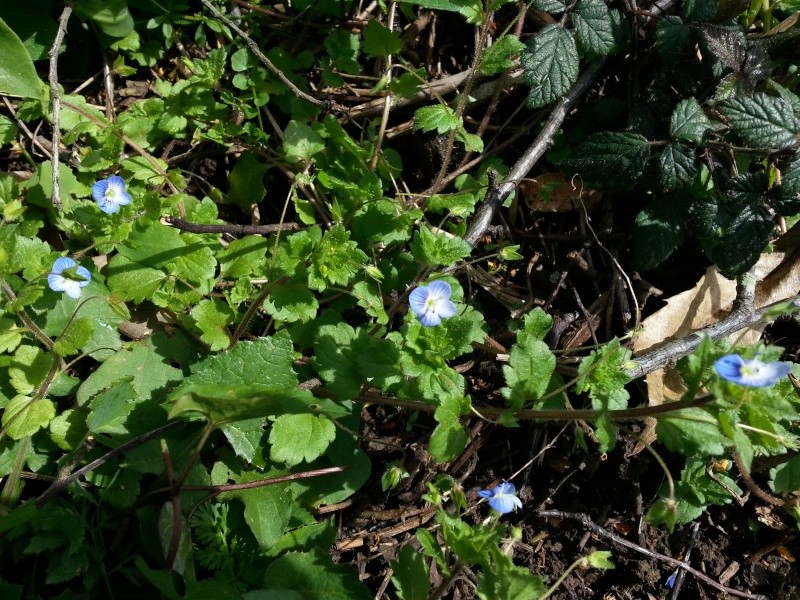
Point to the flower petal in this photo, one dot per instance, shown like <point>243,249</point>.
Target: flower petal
<point>87,276</point>
<point>729,367</point>
<point>56,282</point>
<point>65,262</point>
<point>505,503</point>
<point>440,289</point>
<point>99,190</point>
<point>417,299</point>
<point>73,289</point>
<point>445,308</point>
<point>430,318</point>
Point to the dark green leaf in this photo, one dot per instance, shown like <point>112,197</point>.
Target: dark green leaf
<point>550,61</point>
<point>699,10</point>
<point>17,74</point>
<point>593,27</point>
<point>677,167</point>
<point>551,6</point>
<point>692,432</point>
<point>786,477</point>
<point>762,121</point>
<point>744,240</point>
<point>438,249</point>
<point>658,232</point>
<point>785,198</point>
<point>608,160</point>
<point>673,39</point>
<point>410,576</point>
<point>688,122</point>
<point>380,41</point>
<point>728,45</point>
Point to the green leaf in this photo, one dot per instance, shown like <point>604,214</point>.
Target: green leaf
<point>380,40</point>
<point>132,281</point>
<point>298,438</point>
<point>267,510</point>
<point>786,477</point>
<point>439,118</point>
<point>8,130</point>
<point>673,39</point>
<point>369,298</point>
<point>336,260</point>
<point>300,142</point>
<point>77,334</point>
<point>785,198</point>
<point>315,577</point>
<point>550,62</point>
<point>449,438</point>
<point>609,160</point>
<point>500,55</point>
<point>25,416</point>
<point>17,74</point>
<point>688,122</point>
<point>28,368</point>
<point>291,301</point>
<point>111,16</point>
<point>743,241</point>
<point>109,411</point>
<point>243,257</point>
<point>246,181</point>
<point>599,559</point>
<point>140,361</point>
<point>246,439</point>
<point>437,249</point>
<point>762,121</point>
<point>410,575</point>
<point>212,317</point>
<point>550,6</point>
<point>68,430</point>
<point>658,232</point>
<point>531,363</point>
<point>677,167</point>
<point>692,432</point>
<point>10,335</point>
<point>507,581</point>
<point>593,27</point>
<point>227,403</point>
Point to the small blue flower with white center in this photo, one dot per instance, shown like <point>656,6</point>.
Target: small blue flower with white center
<point>431,303</point>
<point>502,497</point>
<point>110,194</point>
<point>68,277</point>
<point>750,373</point>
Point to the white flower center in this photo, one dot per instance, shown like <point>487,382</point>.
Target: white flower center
<point>111,193</point>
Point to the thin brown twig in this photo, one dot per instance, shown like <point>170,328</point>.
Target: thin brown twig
<point>587,522</point>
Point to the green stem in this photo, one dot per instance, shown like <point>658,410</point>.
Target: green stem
<point>561,579</point>
<point>252,309</point>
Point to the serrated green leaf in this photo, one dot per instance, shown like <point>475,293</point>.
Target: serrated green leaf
<point>743,241</point>
<point>336,260</point>
<point>500,55</point>
<point>593,27</point>
<point>25,416</point>
<point>133,281</point>
<point>688,121</point>
<point>449,438</point>
<point>677,167</point>
<point>439,118</point>
<point>550,62</point>
<point>10,335</point>
<point>600,559</point>
<point>508,581</point>
<point>17,74</point>
<point>658,232</point>
<point>410,575</point>
<point>212,317</point>
<point>609,160</point>
<point>76,335</point>
<point>246,439</point>
<point>243,257</point>
<point>246,181</point>
<point>291,301</point>
<point>550,6</point>
<point>673,39</point>
<point>369,298</point>
<point>762,121</point>
<point>692,432</point>
<point>315,576</point>
<point>437,249</point>
<point>380,40</point>
<point>8,130</point>
<point>68,429</point>
<point>531,363</point>
<point>298,438</point>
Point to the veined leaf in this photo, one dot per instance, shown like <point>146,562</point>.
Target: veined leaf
<point>676,167</point>
<point>550,61</point>
<point>17,74</point>
<point>744,240</point>
<point>762,121</point>
<point>593,27</point>
<point>688,121</point>
<point>608,160</point>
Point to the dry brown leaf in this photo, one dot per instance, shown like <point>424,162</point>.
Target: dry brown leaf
<point>553,192</point>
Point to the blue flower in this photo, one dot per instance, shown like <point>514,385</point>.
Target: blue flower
<point>431,303</point>
<point>65,277</point>
<point>110,194</point>
<point>502,497</point>
<point>752,373</point>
